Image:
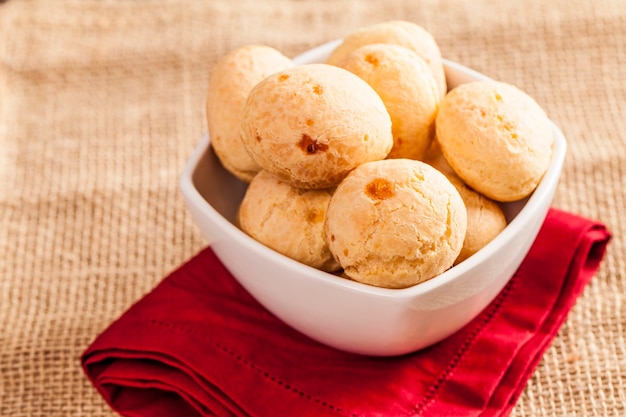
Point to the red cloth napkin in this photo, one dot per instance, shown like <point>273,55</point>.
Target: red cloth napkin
<point>200,345</point>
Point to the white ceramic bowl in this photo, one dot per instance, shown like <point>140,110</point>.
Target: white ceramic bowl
<point>348,315</point>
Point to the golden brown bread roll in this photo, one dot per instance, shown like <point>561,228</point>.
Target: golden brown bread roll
<point>407,87</point>
<point>397,32</point>
<point>395,223</point>
<point>288,220</point>
<point>230,81</point>
<point>496,138</point>
<point>485,218</point>
<point>312,124</point>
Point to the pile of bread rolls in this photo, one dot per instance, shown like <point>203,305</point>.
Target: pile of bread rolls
<point>366,166</point>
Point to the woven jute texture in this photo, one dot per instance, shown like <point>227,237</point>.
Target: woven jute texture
<point>102,102</point>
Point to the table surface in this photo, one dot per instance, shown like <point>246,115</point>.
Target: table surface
<point>102,102</point>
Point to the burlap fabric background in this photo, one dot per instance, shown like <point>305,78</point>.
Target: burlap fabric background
<point>102,102</point>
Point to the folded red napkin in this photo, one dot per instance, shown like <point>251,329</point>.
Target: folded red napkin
<point>200,345</point>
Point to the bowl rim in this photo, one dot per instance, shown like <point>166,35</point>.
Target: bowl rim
<point>534,202</point>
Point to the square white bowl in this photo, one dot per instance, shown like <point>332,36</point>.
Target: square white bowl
<point>349,315</point>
